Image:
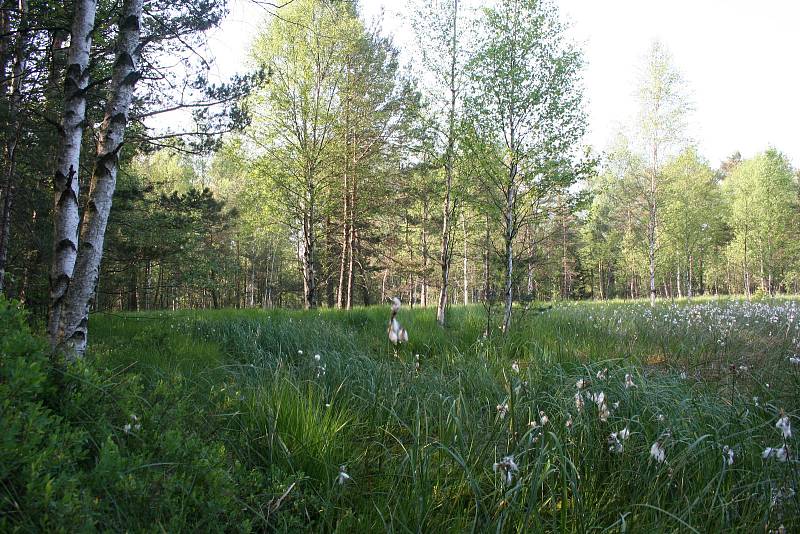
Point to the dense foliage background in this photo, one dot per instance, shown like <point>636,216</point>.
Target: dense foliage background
<point>352,170</point>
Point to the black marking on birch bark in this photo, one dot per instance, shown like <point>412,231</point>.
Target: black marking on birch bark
<point>73,73</point>
<point>132,78</point>
<point>59,178</point>
<point>79,92</point>
<point>67,192</point>
<point>65,244</point>
<point>131,22</point>
<point>77,335</point>
<point>59,285</point>
<point>124,59</point>
<point>119,118</point>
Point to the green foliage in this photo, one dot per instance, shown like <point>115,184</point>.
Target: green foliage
<point>764,216</point>
<point>87,448</point>
<point>243,428</point>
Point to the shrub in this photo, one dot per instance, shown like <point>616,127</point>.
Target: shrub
<point>86,448</point>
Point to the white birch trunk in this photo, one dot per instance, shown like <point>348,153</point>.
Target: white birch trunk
<point>466,287</point>
<point>75,316</point>
<point>509,238</point>
<point>445,255</point>
<point>66,218</point>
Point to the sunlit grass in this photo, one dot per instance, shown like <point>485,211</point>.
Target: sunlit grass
<point>420,445</point>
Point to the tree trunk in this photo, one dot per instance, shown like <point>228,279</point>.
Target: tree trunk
<point>746,269</point>
<point>5,224</point>
<point>75,317</point>
<point>18,73</point>
<point>133,290</point>
<point>340,294</point>
<point>66,218</point>
<point>466,287</point>
<point>564,263</point>
<point>424,295</point>
<point>651,252</point>
<point>652,225</point>
<point>445,254</point>
<point>351,244</point>
<point>509,249</point>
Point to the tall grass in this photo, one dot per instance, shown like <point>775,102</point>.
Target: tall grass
<point>420,444</point>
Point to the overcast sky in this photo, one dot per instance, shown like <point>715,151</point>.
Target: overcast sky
<point>739,57</point>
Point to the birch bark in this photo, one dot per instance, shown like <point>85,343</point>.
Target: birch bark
<point>66,217</point>
<point>75,315</point>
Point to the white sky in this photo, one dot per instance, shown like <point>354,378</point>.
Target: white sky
<point>739,57</point>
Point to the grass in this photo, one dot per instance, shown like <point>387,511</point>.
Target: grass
<point>420,444</point>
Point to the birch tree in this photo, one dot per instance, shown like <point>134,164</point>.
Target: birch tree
<point>73,329</point>
<point>66,217</point>
<point>441,29</point>
<point>692,215</point>
<point>762,198</point>
<point>526,117</point>
<point>295,126</point>
<point>663,107</point>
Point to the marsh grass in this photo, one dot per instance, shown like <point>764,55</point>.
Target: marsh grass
<point>420,445</point>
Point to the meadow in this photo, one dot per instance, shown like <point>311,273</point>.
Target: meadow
<point>585,417</point>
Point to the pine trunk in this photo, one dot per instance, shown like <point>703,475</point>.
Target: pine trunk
<point>18,72</point>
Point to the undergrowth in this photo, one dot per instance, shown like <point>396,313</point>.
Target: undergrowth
<point>287,421</point>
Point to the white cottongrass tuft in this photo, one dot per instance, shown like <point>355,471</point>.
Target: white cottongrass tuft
<point>502,410</point>
<point>135,426</point>
<point>784,426</point>
<point>794,360</point>
<point>615,440</point>
<point>515,367</point>
<point>507,467</point>
<point>317,357</point>
<point>629,381</point>
<point>602,408</point>
<point>578,401</point>
<point>779,453</point>
<point>727,455</point>
<point>342,477</point>
<point>602,375</point>
<point>580,384</point>
<point>568,422</point>
<point>543,419</point>
<point>657,452</point>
